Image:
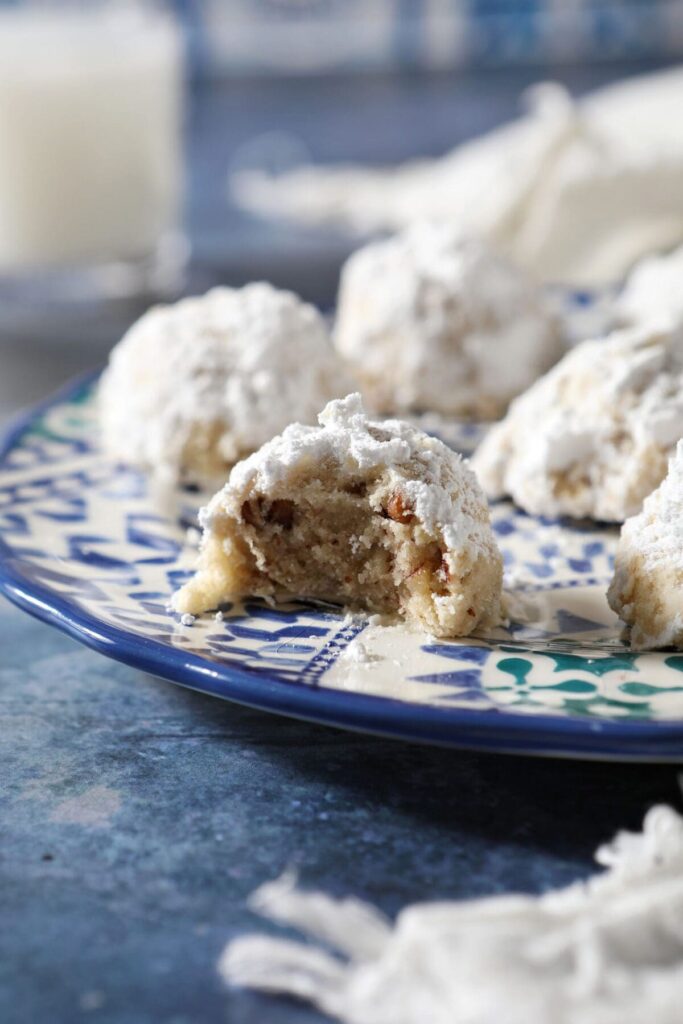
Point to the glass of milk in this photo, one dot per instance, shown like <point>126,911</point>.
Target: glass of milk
<point>90,148</point>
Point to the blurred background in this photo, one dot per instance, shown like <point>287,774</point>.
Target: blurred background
<point>123,123</point>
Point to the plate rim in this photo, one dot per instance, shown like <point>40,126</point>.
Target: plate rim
<point>496,729</point>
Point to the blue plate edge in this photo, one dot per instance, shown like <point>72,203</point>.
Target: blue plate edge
<point>494,730</point>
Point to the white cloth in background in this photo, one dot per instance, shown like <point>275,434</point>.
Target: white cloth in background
<point>607,951</point>
<point>576,191</point>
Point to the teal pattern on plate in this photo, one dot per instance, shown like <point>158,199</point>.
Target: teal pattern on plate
<point>100,537</point>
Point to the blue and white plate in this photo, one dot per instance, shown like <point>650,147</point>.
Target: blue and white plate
<point>85,546</point>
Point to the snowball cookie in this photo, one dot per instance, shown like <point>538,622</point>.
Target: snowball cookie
<point>432,322</point>
<point>195,386</point>
<point>376,516</point>
<point>647,588</point>
<point>593,437</point>
<point>653,291</point>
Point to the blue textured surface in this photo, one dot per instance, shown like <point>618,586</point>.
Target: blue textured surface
<point>138,816</point>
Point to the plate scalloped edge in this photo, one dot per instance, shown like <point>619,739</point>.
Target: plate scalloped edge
<point>560,684</point>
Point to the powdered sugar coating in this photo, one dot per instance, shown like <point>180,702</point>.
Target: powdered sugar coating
<point>592,438</point>
<point>658,529</point>
<point>194,386</point>
<point>430,320</point>
<point>371,515</point>
<point>647,588</point>
<point>347,438</point>
<point>653,291</point>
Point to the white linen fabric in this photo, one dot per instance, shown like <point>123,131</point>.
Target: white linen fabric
<point>605,951</point>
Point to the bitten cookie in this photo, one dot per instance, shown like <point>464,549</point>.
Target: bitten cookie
<point>374,516</point>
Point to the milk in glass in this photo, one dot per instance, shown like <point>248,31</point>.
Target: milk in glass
<point>90,118</point>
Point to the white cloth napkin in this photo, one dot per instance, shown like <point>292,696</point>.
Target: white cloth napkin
<point>576,191</point>
<point>605,951</point>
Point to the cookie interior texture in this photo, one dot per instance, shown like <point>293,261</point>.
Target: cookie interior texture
<point>353,539</point>
<point>646,590</point>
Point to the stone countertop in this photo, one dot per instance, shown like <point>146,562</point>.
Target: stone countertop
<point>137,816</point>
